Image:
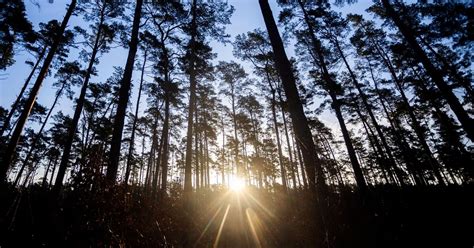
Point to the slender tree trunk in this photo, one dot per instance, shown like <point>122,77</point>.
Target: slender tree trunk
<point>134,124</point>
<point>236,137</point>
<point>410,158</point>
<point>124,92</point>
<point>376,148</point>
<point>303,133</point>
<point>201,159</point>
<point>223,150</point>
<point>166,122</point>
<point>336,105</point>
<point>77,113</point>
<point>208,174</point>
<point>54,170</point>
<point>466,121</point>
<point>415,124</point>
<point>12,111</point>
<point>9,153</point>
<point>439,113</point>
<point>140,175</point>
<point>390,158</point>
<point>196,148</point>
<point>301,162</point>
<point>102,117</point>
<point>466,83</point>
<point>435,166</point>
<point>333,156</point>
<point>188,187</point>
<point>151,158</point>
<point>295,107</point>
<point>257,150</point>
<point>39,135</point>
<point>285,125</point>
<point>277,134</point>
<point>165,138</point>
<point>157,161</point>
<point>43,183</point>
<point>90,121</point>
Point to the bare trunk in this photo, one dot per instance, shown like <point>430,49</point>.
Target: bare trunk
<point>285,125</point>
<point>124,92</point>
<point>390,159</point>
<point>9,152</point>
<point>188,187</point>
<point>165,149</point>
<point>466,121</point>
<point>295,107</point>
<point>77,112</point>
<point>134,125</point>
<point>277,134</point>
<point>350,148</point>
<point>38,135</point>
<point>12,111</point>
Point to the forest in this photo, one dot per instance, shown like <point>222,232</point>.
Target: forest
<point>239,123</point>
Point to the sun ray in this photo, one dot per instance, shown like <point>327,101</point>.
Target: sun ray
<point>208,225</point>
<point>249,212</point>
<point>216,243</point>
<point>261,205</point>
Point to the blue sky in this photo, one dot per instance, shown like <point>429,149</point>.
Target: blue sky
<point>247,17</point>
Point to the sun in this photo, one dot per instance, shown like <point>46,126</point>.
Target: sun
<point>236,184</point>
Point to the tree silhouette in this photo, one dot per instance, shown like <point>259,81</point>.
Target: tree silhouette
<point>11,147</point>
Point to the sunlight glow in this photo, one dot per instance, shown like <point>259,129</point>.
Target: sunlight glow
<point>216,242</point>
<point>236,184</point>
<point>251,217</point>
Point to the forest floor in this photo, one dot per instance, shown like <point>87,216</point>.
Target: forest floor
<point>218,217</point>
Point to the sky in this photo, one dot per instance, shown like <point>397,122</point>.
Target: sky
<point>247,17</point>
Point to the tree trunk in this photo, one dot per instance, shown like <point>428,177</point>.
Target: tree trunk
<point>377,149</point>
<point>208,174</point>
<point>196,148</point>
<point>9,153</point>
<point>415,124</point>
<point>6,124</point>
<point>223,150</point>
<point>124,92</point>
<point>390,158</point>
<point>54,170</point>
<point>134,124</point>
<point>466,121</point>
<point>151,158</point>
<point>77,112</point>
<point>156,174</point>
<point>43,183</point>
<point>435,166</point>
<point>39,135</point>
<point>452,71</point>
<point>165,149</point>
<point>277,134</point>
<point>166,122</point>
<point>285,125</point>
<point>331,151</point>
<point>410,158</point>
<point>303,172</point>
<point>236,137</point>
<point>292,162</point>
<point>295,107</point>
<point>335,102</point>
<point>188,187</point>
<point>350,148</point>
<point>201,159</point>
